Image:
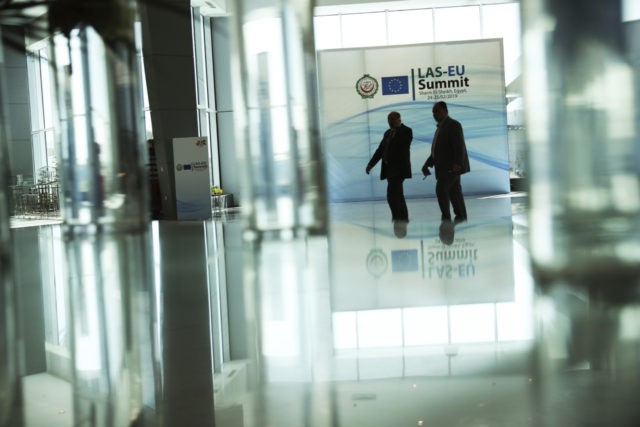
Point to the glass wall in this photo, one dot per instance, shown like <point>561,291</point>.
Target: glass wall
<point>143,81</point>
<point>42,109</point>
<point>205,88</point>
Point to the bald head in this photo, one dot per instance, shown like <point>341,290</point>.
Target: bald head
<point>394,119</point>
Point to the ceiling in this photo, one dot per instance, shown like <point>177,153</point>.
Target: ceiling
<point>356,6</point>
<point>323,7</point>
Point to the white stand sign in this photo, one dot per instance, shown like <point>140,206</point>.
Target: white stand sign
<point>193,187</point>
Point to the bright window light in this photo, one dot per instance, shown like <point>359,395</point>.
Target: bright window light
<point>380,328</point>
<point>410,26</point>
<point>630,10</point>
<point>366,29</point>
<point>457,23</point>
<point>345,333</point>
<point>514,322</point>
<point>472,323</point>
<point>502,21</point>
<point>425,326</point>
<point>327,32</point>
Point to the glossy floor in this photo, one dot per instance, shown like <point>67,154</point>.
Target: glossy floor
<point>374,325</point>
<point>418,332</point>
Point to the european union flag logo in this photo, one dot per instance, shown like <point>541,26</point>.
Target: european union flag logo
<point>404,260</point>
<point>395,85</point>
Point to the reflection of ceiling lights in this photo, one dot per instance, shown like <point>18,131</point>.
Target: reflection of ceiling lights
<point>211,7</point>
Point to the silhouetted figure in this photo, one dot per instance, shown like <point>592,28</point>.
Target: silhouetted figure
<point>396,164</point>
<point>450,159</point>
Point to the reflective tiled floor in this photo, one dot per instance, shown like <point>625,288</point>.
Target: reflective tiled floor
<point>418,332</point>
<point>360,328</point>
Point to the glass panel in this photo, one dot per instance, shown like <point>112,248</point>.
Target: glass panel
<point>47,90</point>
<point>101,146</point>
<point>143,80</point>
<point>279,121</point>
<point>457,23</point>
<point>199,60</point>
<point>147,124</point>
<point>503,21</point>
<point>328,32</point>
<point>51,158</point>
<point>205,86</point>
<point>410,26</point>
<point>54,291</point>
<point>39,147</point>
<point>203,121</point>
<point>208,73</point>
<point>35,91</point>
<point>366,29</point>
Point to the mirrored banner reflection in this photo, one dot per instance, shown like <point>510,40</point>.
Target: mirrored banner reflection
<point>373,269</point>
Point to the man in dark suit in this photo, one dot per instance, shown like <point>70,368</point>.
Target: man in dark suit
<point>396,164</point>
<point>450,159</point>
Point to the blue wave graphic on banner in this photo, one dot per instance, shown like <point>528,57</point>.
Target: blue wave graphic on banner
<point>351,142</point>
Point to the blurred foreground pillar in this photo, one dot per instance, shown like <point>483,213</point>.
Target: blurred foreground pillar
<point>285,210</point>
<point>276,118</point>
<point>581,109</point>
<point>10,390</point>
<point>104,205</point>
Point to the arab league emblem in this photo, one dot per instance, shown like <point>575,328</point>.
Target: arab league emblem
<point>367,86</point>
<point>377,263</point>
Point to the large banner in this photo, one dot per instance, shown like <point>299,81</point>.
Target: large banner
<point>359,87</point>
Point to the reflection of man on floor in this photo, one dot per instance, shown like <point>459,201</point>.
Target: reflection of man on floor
<point>450,159</point>
<point>400,229</point>
<point>446,232</point>
<point>396,164</point>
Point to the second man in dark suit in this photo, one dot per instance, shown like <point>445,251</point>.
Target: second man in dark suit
<point>396,164</point>
<point>450,159</point>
